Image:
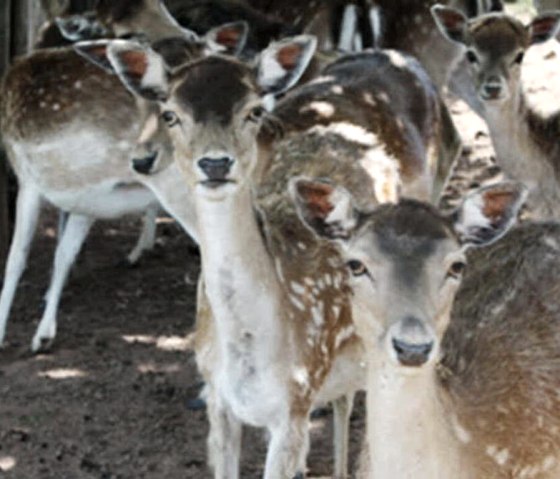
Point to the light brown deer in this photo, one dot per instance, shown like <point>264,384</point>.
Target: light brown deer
<point>69,129</point>
<point>526,142</point>
<point>466,390</point>
<point>281,338</point>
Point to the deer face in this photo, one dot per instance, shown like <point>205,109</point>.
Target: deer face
<point>214,107</point>
<point>494,47</point>
<point>406,260</point>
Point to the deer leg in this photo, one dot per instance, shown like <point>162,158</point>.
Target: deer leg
<point>62,220</point>
<point>348,28</point>
<point>287,449</point>
<point>147,237</point>
<point>27,213</point>
<point>224,439</point>
<point>67,249</point>
<point>342,408</point>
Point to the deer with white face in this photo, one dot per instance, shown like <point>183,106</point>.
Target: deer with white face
<point>280,338</point>
<point>463,390</point>
<point>526,142</point>
<point>69,129</point>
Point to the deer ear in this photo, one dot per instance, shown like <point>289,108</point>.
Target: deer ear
<point>96,52</point>
<point>229,39</point>
<point>488,213</point>
<point>326,209</point>
<point>282,63</point>
<point>141,69</point>
<point>452,23</point>
<point>80,27</point>
<point>544,27</point>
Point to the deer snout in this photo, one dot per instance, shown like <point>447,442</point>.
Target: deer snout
<point>216,170</point>
<point>492,89</point>
<point>145,165</point>
<point>412,342</point>
<point>412,354</point>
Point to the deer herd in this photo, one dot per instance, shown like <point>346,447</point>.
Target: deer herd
<point>303,145</point>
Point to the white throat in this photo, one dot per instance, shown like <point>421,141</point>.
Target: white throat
<point>407,429</point>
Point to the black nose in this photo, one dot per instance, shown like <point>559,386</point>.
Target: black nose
<point>144,165</point>
<point>492,90</point>
<point>412,354</point>
<point>216,169</point>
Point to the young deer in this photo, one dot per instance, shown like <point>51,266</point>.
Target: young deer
<point>281,337</point>
<point>467,392</point>
<point>526,143</point>
<point>69,128</point>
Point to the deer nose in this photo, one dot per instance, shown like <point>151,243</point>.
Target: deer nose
<point>144,165</point>
<point>492,90</point>
<point>412,354</point>
<point>216,169</point>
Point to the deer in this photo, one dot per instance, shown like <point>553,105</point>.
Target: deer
<point>461,379</point>
<point>279,338</point>
<point>69,142</point>
<point>526,142</point>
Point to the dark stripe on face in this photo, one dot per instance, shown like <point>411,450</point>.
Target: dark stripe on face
<point>212,89</point>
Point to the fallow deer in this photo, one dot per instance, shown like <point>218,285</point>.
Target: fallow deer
<point>280,337</point>
<point>463,390</point>
<point>69,130</point>
<point>526,142</point>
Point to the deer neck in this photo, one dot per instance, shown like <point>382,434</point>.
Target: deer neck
<point>519,150</point>
<point>240,279</point>
<point>407,432</point>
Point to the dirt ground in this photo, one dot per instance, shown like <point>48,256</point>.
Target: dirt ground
<point>111,400</point>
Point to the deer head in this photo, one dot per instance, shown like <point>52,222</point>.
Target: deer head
<point>153,151</point>
<point>494,46</point>
<point>406,260</point>
<point>213,107</point>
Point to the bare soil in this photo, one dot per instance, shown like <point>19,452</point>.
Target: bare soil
<point>111,400</point>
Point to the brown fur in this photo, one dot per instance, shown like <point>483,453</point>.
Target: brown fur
<point>57,84</point>
<point>370,100</point>
<point>501,360</point>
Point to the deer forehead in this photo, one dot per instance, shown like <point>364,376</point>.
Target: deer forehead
<point>407,234</point>
<point>498,35</point>
<point>214,90</point>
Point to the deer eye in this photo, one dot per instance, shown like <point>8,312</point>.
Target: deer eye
<point>519,57</point>
<point>471,56</point>
<point>170,118</point>
<point>456,269</point>
<point>256,114</point>
<point>357,267</point>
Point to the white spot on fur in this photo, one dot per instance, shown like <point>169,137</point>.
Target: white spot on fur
<point>297,288</point>
<point>301,246</point>
<point>349,132</point>
<point>301,377</point>
<point>56,107</point>
<point>343,336</point>
<point>322,108</point>
<point>397,59</point>
<point>501,456</point>
<point>462,434</point>
<point>318,315</point>
<point>384,172</point>
<point>297,303</point>
<point>279,272</point>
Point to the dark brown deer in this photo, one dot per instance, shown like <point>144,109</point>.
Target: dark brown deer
<point>69,129</point>
<point>281,339</point>
<point>526,142</point>
<point>462,390</point>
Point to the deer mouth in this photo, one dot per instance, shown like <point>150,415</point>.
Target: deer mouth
<point>216,183</point>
